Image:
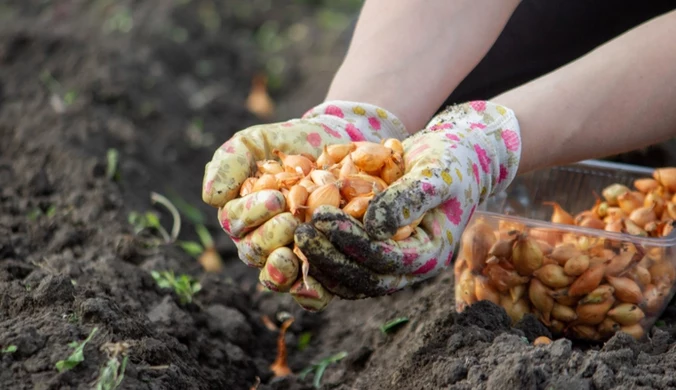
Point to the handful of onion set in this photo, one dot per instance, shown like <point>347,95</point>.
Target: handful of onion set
<point>346,176</point>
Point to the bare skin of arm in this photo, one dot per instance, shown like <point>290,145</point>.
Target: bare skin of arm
<point>617,98</point>
<point>407,56</point>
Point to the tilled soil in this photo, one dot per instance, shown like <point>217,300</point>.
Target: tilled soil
<point>77,80</point>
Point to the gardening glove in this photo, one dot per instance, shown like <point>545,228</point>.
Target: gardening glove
<point>464,155</point>
<point>259,223</point>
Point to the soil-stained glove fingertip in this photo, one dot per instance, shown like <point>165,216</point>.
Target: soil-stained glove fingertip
<point>380,220</point>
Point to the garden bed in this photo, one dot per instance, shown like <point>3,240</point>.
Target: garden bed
<point>157,87</point>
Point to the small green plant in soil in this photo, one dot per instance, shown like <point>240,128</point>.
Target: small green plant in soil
<point>112,373</point>
<point>147,220</point>
<point>320,368</point>
<point>194,248</point>
<point>9,349</point>
<point>37,212</point>
<point>65,97</point>
<point>205,250</point>
<point>73,318</point>
<point>185,286</point>
<point>304,340</point>
<point>112,160</point>
<point>121,21</point>
<point>151,221</point>
<point>77,356</point>
<point>393,324</point>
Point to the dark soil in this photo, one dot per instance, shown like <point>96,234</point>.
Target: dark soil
<point>164,94</point>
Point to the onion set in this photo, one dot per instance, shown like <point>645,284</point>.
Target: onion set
<point>579,286</point>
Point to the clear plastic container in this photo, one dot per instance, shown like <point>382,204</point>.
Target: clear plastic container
<point>581,282</point>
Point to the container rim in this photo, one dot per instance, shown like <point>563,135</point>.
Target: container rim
<point>610,165</point>
<point>667,241</point>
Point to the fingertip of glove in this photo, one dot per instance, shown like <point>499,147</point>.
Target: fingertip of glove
<point>304,233</point>
<point>380,222</point>
<point>214,195</point>
<point>326,212</point>
<point>330,215</point>
<point>378,232</point>
<point>212,199</point>
<point>208,198</point>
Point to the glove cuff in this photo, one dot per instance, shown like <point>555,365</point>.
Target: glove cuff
<point>361,121</point>
<point>494,134</point>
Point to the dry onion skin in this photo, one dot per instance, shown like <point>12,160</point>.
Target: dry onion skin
<point>346,176</point>
<point>579,286</point>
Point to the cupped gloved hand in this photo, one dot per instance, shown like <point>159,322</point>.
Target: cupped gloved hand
<point>260,222</point>
<point>464,155</point>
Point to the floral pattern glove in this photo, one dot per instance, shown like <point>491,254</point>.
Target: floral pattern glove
<point>258,222</point>
<point>464,155</point>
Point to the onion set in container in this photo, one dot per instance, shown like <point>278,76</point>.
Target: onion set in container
<point>585,271</point>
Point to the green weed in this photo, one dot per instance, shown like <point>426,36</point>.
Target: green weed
<point>77,356</point>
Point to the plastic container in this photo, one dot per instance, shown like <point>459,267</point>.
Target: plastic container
<point>581,282</point>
